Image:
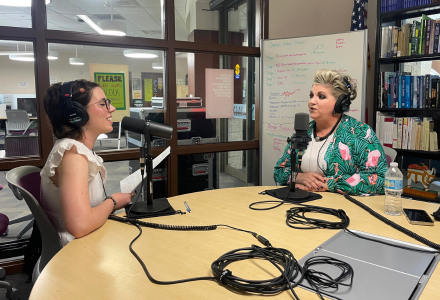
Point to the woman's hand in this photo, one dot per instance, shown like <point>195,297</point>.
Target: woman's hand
<point>122,199</point>
<point>311,180</point>
<point>305,188</point>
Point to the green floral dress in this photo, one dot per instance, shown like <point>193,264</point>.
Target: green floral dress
<point>356,162</point>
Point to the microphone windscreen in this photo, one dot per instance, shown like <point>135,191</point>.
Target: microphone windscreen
<point>133,125</point>
<point>301,122</point>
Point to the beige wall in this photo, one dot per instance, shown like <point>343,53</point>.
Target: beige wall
<point>296,18</point>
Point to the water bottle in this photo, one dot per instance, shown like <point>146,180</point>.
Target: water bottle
<point>393,190</point>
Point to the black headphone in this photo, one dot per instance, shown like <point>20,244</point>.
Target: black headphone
<point>343,103</point>
<point>74,113</point>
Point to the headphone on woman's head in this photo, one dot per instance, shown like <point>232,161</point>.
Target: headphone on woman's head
<point>74,113</point>
<point>343,103</point>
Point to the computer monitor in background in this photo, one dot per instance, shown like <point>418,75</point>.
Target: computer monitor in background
<point>28,104</point>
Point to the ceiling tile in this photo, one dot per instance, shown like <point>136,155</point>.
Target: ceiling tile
<point>67,10</point>
<point>181,11</point>
<point>132,18</point>
<point>9,10</point>
<point>87,3</point>
<point>97,10</point>
<point>149,3</point>
<point>61,3</point>
<point>4,17</point>
<point>157,17</point>
<point>26,10</point>
<point>180,3</point>
<point>14,23</point>
<point>20,16</point>
<point>129,11</point>
<point>153,10</point>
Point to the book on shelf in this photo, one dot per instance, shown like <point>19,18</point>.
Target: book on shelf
<point>410,133</point>
<point>402,90</point>
<point>391,5</point>
<point>416,38</point>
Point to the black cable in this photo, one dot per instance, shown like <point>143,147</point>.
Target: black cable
<point>395,226</point>
<point>282,259</point>
<point>320,280</point>
<point>297,216</point>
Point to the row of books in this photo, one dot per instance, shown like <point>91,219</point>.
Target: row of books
<point>411,133</point>
<point>401,90</point>
<point>412,39</point>
<point>390,5</point>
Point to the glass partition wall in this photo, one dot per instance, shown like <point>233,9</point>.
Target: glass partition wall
<point>167,53</point>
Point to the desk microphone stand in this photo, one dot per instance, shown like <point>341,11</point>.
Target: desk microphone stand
<point>300,142</point>
<point>149,206</point>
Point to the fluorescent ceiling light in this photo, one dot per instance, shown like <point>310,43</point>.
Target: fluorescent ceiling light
<point>26,53</point>
<point>52,55</point>
<point>111,27</point>
<point>76,61</point>
<point>157,65</point>
<point>106,27</point>
<point>21,57</point>
<point>91,23</point>
<point>139,53</point>
<point>21,3</point>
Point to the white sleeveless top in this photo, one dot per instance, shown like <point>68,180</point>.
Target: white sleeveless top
<point>49,195</point>
<point>314,155</point>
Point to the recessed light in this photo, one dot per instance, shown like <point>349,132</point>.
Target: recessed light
<point>52,55</point>
<point>157,65</point>
<point>139,53</point>
<point>76,61</point>
<point>21,57</point>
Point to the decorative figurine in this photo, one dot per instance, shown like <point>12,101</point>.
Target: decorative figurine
<point>420,173</point>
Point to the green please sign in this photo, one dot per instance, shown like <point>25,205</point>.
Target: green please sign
<point>113,85</point>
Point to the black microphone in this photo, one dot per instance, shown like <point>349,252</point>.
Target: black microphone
<point>147,127</point>
<point>298,141</point>
<point>301,124</point>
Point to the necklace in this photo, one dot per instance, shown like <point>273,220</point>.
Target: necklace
<point>317,138</point>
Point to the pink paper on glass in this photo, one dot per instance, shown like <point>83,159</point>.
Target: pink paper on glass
<point>219,93</point>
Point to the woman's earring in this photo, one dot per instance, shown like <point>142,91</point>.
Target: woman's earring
<point>84,128</point>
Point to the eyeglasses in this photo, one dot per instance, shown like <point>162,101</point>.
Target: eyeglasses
<point>105,101</point>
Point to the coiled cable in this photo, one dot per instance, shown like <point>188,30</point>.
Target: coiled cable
<point>320,280</point>
<point>297,216</point>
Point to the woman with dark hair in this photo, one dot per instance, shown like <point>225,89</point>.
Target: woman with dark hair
<point>343,154</point>
<point>72,181</point>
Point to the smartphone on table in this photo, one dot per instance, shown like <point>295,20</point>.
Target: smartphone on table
<point>418,217</point>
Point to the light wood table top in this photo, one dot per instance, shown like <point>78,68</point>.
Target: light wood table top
<point>100,265</point>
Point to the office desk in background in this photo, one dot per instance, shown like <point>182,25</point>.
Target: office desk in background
<point>100,265</point>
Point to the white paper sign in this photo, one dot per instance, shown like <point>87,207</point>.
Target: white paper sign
<point>129,183</point>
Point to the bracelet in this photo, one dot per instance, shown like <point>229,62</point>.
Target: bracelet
<point>114,203</point>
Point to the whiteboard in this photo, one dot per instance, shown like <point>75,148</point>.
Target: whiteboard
<point>288,67</point>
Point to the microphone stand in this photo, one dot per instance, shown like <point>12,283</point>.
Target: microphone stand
<point>149,206</point>
<point>300,142</point>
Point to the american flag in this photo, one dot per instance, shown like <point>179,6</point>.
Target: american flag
<point>359,15</point>
<point>359,20</point>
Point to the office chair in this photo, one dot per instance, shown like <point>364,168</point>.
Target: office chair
<point>18,122</point>
<point>11,293</point>
<point>25,182</point>
<point>21,145</point>
<point>390,154</point>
